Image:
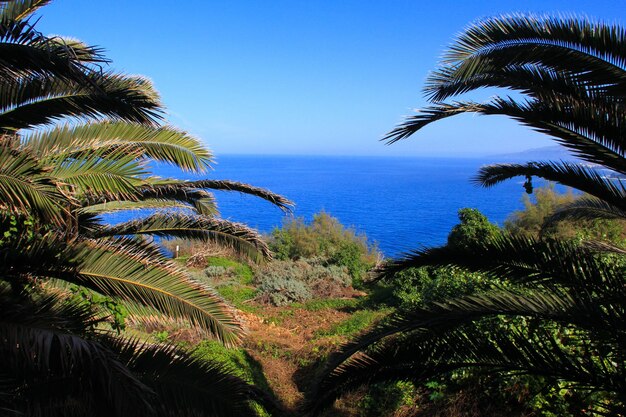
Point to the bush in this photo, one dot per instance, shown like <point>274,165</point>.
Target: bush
<point>474,228</point>
<point>416,287</point>
<point>280,291</point>
<point>547,200</point>
<point>213,271</point>
<point>327,239</point>
<point>283,282</point>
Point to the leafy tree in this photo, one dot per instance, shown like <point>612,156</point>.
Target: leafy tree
<point>473,229</point>
<point>566,302</point>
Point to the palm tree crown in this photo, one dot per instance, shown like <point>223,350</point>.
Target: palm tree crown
<point>75,143</point>
<point>569,76</point>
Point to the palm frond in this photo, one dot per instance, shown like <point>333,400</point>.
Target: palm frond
<point>27,52</point>
<point>162,143</point>
<point>101,173</point>
<point>585,208</point>
<point>107,95</point>
<point>235,235</point>
<point>20,9</point>
<point>119,269</point>
<point>225,185</point>
<point>50,361</point>
<point>172,187</point>
<point>590,53</point>
<point>126,270</point>
<point>432,352</point>
<point>115,206</point>
<point>581,131</point>
<point>188,386</point>
<point>578,176</point>
<point>521,260</point>
<point>25,185</point>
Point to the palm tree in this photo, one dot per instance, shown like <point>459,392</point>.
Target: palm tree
<point>567,302</point>
<point>55,183</point>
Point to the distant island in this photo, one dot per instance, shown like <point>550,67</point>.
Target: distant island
<point>554,152</point>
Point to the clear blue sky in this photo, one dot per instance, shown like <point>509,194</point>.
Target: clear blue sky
<point>302,77</point>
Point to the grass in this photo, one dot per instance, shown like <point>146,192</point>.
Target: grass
<point>237,295</point>
<point>327,304</point>
<point>243,271</point>
<point>356,323</point>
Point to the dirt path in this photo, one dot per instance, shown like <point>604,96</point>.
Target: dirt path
<point>287,344</point>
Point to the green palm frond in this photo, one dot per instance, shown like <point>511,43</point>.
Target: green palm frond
<point>107,95</point>
<point>522,260</point>
<point>162,143</point>
<point>120,269</point>
<point>571,126</point>
<point>115,206</point>
<point>25,185</point>
<point>20,9</point>
<point>235,235</point>
<point>589,52</point>
<point>585,208</point>
<point>188,386</point>
<point>101,173</point>
<point>47,358</point>
<point>123,269</point>
<point>27,52</point>
<point>432,352</point>
<point>581,177</point>
<point>176,187</point>
<point>225,185</point>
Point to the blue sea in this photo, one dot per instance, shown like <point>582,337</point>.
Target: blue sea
<point>401,203</point>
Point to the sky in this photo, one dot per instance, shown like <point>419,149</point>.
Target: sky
<point>320,77</point>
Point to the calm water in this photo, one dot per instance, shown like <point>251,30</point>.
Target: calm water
<point>401,203</point>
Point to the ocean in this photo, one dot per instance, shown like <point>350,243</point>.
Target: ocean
<point>401,203</point>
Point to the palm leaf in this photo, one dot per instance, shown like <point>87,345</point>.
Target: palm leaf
<point>429,353</point>
<point>101,173</point>
<point>107,95</point>
<point>115,206</point>
<point>590,52</point>
<point>586,208</point>
<point>188,386</point>
<point>20,9</point>
<point>49,361</point>
<point>235,235</point>
<point>521,260</point>
<point>123,269</point>
<point>27,52</point>
<point>115,269</point>
<point>163,143</point>
<point>26,187</point>
<point>573,175</point>
<point>176,187</point>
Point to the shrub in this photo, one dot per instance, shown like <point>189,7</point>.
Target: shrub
<point>213,271</point>
<point>279,290</point>
<point>531,220</point>
<point>419,286</point>
<point>301,280</point>
<point>474,228</point>
<point>325,238</point>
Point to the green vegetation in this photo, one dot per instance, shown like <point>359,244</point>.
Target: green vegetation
<point>327,239</point>
<point>76,142</point>
<point>556,318</point>
<point>536,219</point>
<point>358,321</point>
<point>98,321</point>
